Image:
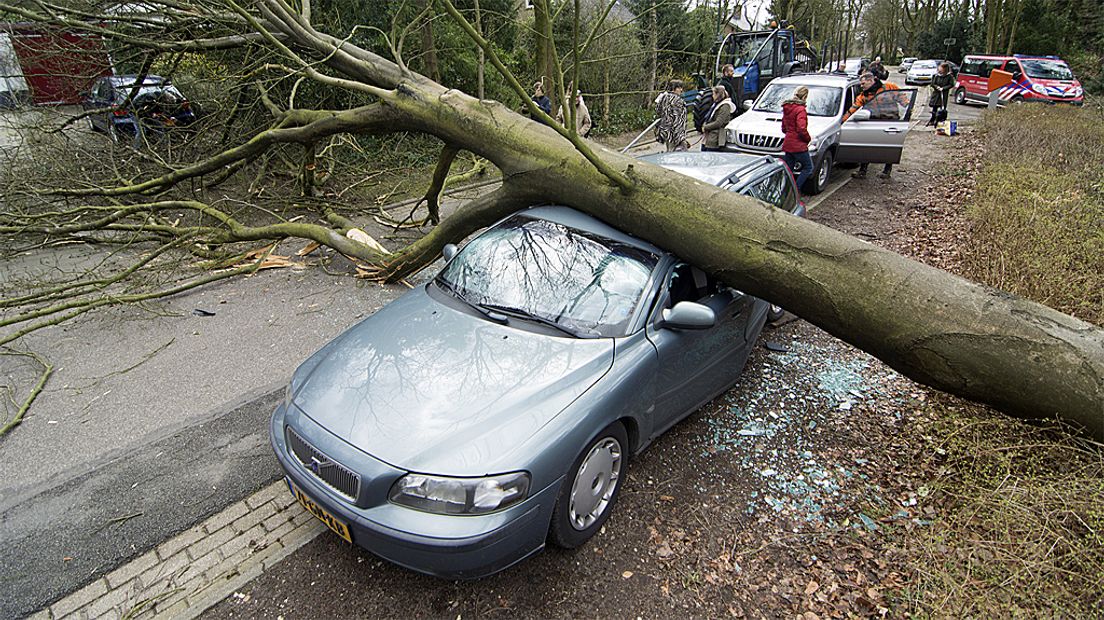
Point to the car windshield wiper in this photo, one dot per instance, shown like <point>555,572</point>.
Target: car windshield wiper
<point>529,316</point>
<point>447,286</point>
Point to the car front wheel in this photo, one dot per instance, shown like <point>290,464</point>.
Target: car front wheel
<point>960,96</point>
<point>819,179</point>
<point>590,489</point>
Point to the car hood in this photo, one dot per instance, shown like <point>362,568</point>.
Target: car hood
<point>770,124</point>
<point>429,388</point>
<point>1059,88</point>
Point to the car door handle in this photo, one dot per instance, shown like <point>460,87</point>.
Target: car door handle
<point>892,130</point>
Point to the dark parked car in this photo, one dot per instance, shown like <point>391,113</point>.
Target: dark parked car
<point>760,176</point>
<point>495,408</point>
<point>156,107</point>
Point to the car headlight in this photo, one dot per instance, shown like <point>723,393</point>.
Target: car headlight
<point>814,144</point>
<point>1077,91</point>
<point>731,135</point>
<point>1039,88</point>
<point>460,496</point>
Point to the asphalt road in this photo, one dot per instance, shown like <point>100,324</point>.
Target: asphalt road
<point>154,419</point>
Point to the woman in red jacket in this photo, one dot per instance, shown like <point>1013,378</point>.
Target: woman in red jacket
<point>795,128</point>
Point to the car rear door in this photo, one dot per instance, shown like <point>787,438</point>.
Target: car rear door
<point>878,137</point>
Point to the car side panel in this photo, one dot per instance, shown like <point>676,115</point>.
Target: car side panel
<point>696,365</point>
<point>877,140</point>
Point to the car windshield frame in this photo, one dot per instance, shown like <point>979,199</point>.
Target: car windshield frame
<point>574,280</point>
<point>1040,68</point>
<point>925,64</point>
<point>823,100</point>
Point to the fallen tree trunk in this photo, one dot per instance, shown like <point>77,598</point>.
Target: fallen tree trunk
<point>938,329</point>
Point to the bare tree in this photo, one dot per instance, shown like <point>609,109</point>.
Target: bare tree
<point>938,329</point>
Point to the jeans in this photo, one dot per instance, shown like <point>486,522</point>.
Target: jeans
<point>803,158</point>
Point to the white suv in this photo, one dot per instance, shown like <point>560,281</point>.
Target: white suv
<point>874,134</point>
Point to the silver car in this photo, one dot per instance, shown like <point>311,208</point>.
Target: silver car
<point>495,408</point>
<point>922,72</point>
<point>874,134</point>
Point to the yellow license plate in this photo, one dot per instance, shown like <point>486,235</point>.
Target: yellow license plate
<point>337,525</point>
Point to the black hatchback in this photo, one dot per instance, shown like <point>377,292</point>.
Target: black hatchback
<point>155,108</point>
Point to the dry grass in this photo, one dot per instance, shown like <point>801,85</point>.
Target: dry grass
<point>1021,526</point>
<point>1018,529</point>
<point>1037,216</point>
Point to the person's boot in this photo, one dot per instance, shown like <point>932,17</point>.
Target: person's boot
<point>859,174</point>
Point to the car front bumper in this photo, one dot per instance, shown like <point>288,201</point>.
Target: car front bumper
<point>448,546</point>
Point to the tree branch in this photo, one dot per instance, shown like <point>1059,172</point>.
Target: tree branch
<point>617,178</point>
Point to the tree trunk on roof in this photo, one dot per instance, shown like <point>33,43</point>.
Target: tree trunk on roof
<point>936,328</point>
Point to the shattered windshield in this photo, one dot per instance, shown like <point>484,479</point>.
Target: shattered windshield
<point>572,278</point>
<point>743,47</point>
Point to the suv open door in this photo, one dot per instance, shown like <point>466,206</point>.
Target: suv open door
<point>876,133</point>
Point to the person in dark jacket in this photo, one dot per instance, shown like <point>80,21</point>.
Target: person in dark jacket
<point>941,86</point>
<point>729,81</point>
<point>878,69</point>
<point>795,128</point>
<point>541,99</point>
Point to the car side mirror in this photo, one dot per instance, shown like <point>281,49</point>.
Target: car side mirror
<point>748,103</point>
<point>860,115</point>
<point>449,251</point>
<point>689,315</point>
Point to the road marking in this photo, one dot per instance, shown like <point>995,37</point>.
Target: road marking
<point>821,197</point>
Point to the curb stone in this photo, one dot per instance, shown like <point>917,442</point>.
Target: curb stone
<point>152,586</point>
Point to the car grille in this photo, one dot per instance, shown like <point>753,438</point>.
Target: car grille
<point>759,141</point>
<point>333,474</point>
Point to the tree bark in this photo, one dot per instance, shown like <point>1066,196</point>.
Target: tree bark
<point>546,55</point>
<point>482,59</point>
<point>940,330</point>
<point>936,328</point>
<point>429,46</point>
